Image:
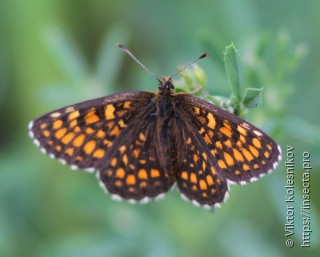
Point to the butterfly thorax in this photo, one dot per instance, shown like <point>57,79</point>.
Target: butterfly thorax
<point>165,124</point>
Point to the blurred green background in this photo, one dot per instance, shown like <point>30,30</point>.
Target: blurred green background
<point>55,53</point>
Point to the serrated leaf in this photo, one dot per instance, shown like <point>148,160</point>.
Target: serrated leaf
<point>233,70</point>
<point>252,97</point>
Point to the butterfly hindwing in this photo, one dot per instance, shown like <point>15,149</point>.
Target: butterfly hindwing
<point>197,177</point>
<point>134,171</point>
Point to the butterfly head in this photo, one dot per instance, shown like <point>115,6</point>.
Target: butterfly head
<point>165,85</point>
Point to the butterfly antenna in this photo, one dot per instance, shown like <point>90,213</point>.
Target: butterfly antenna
<point>187,66</point>
<point>126,50</point>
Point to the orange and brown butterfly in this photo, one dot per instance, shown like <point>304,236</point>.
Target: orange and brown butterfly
<point>142,143</point>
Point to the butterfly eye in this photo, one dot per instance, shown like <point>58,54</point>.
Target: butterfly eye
<point>169,86</point>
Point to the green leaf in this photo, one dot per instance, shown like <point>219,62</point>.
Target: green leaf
<point>252,97</point>
<point>233,69</point>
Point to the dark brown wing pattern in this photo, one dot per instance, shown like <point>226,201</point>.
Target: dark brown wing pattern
<point>114,135</point>
<point>221,149</point>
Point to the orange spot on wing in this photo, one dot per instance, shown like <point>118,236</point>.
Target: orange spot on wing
<point>78,141</point>
<point>99,153</point>
<point>209,180</point>
<point>213,171</point>
<point>242,139</point>
<point>155,173</point>
<point>195,158</point>
<point>142,137</point>
<point>68,137</point>
<point>229,159</point>
<point>118,183</point>
<point>204,166</point>
<point>115,131</point>
<point>142,174</point>
<point>237,155</point>
<point>113,162</point>
<point>73,123</point>
<point>100,133</point>
<point>57,124</point>
<point>43,125</point>
<point>131,179</point>
<point>218,144</point>
<point>70,151</point>
<point>46,133</point>
<point>256,142</point>
<point>193,178</point>
<point>242,130</point>
<point>91,119</point>
<point>196,110</point>
<point>214,152</point>
<point>73,115</point>
<point>245,167</point>
<point>226,131</point>
<point>207,139</point>
<point>228,143</point>
<point>184,175</point>
<point>109,112</point>
<point>120,173</point>
<point>143,184</point>
<point>60,133</point>
<point>127,105</point>
<point>222,164</point>
<point>266,154</point>
<point>203,184</point>
<point>89,147</point>
<point>122,149</point>
<point>254,151</point>
<point>211,121</point>
<point>226,124</point>
<point>247,154</point>
<point>125,159</point>
<point>89,131</point>
<point>77,129</point>
<point>142,161</point>
<point>121,124</point>
<point>202,130</point>
<point>136,152</point>
<point>204,155</point>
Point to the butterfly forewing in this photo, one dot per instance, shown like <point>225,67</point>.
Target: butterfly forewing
<point>82,135</point>
<point>237,150</point>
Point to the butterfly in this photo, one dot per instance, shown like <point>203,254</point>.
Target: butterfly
<point>142,143</point>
